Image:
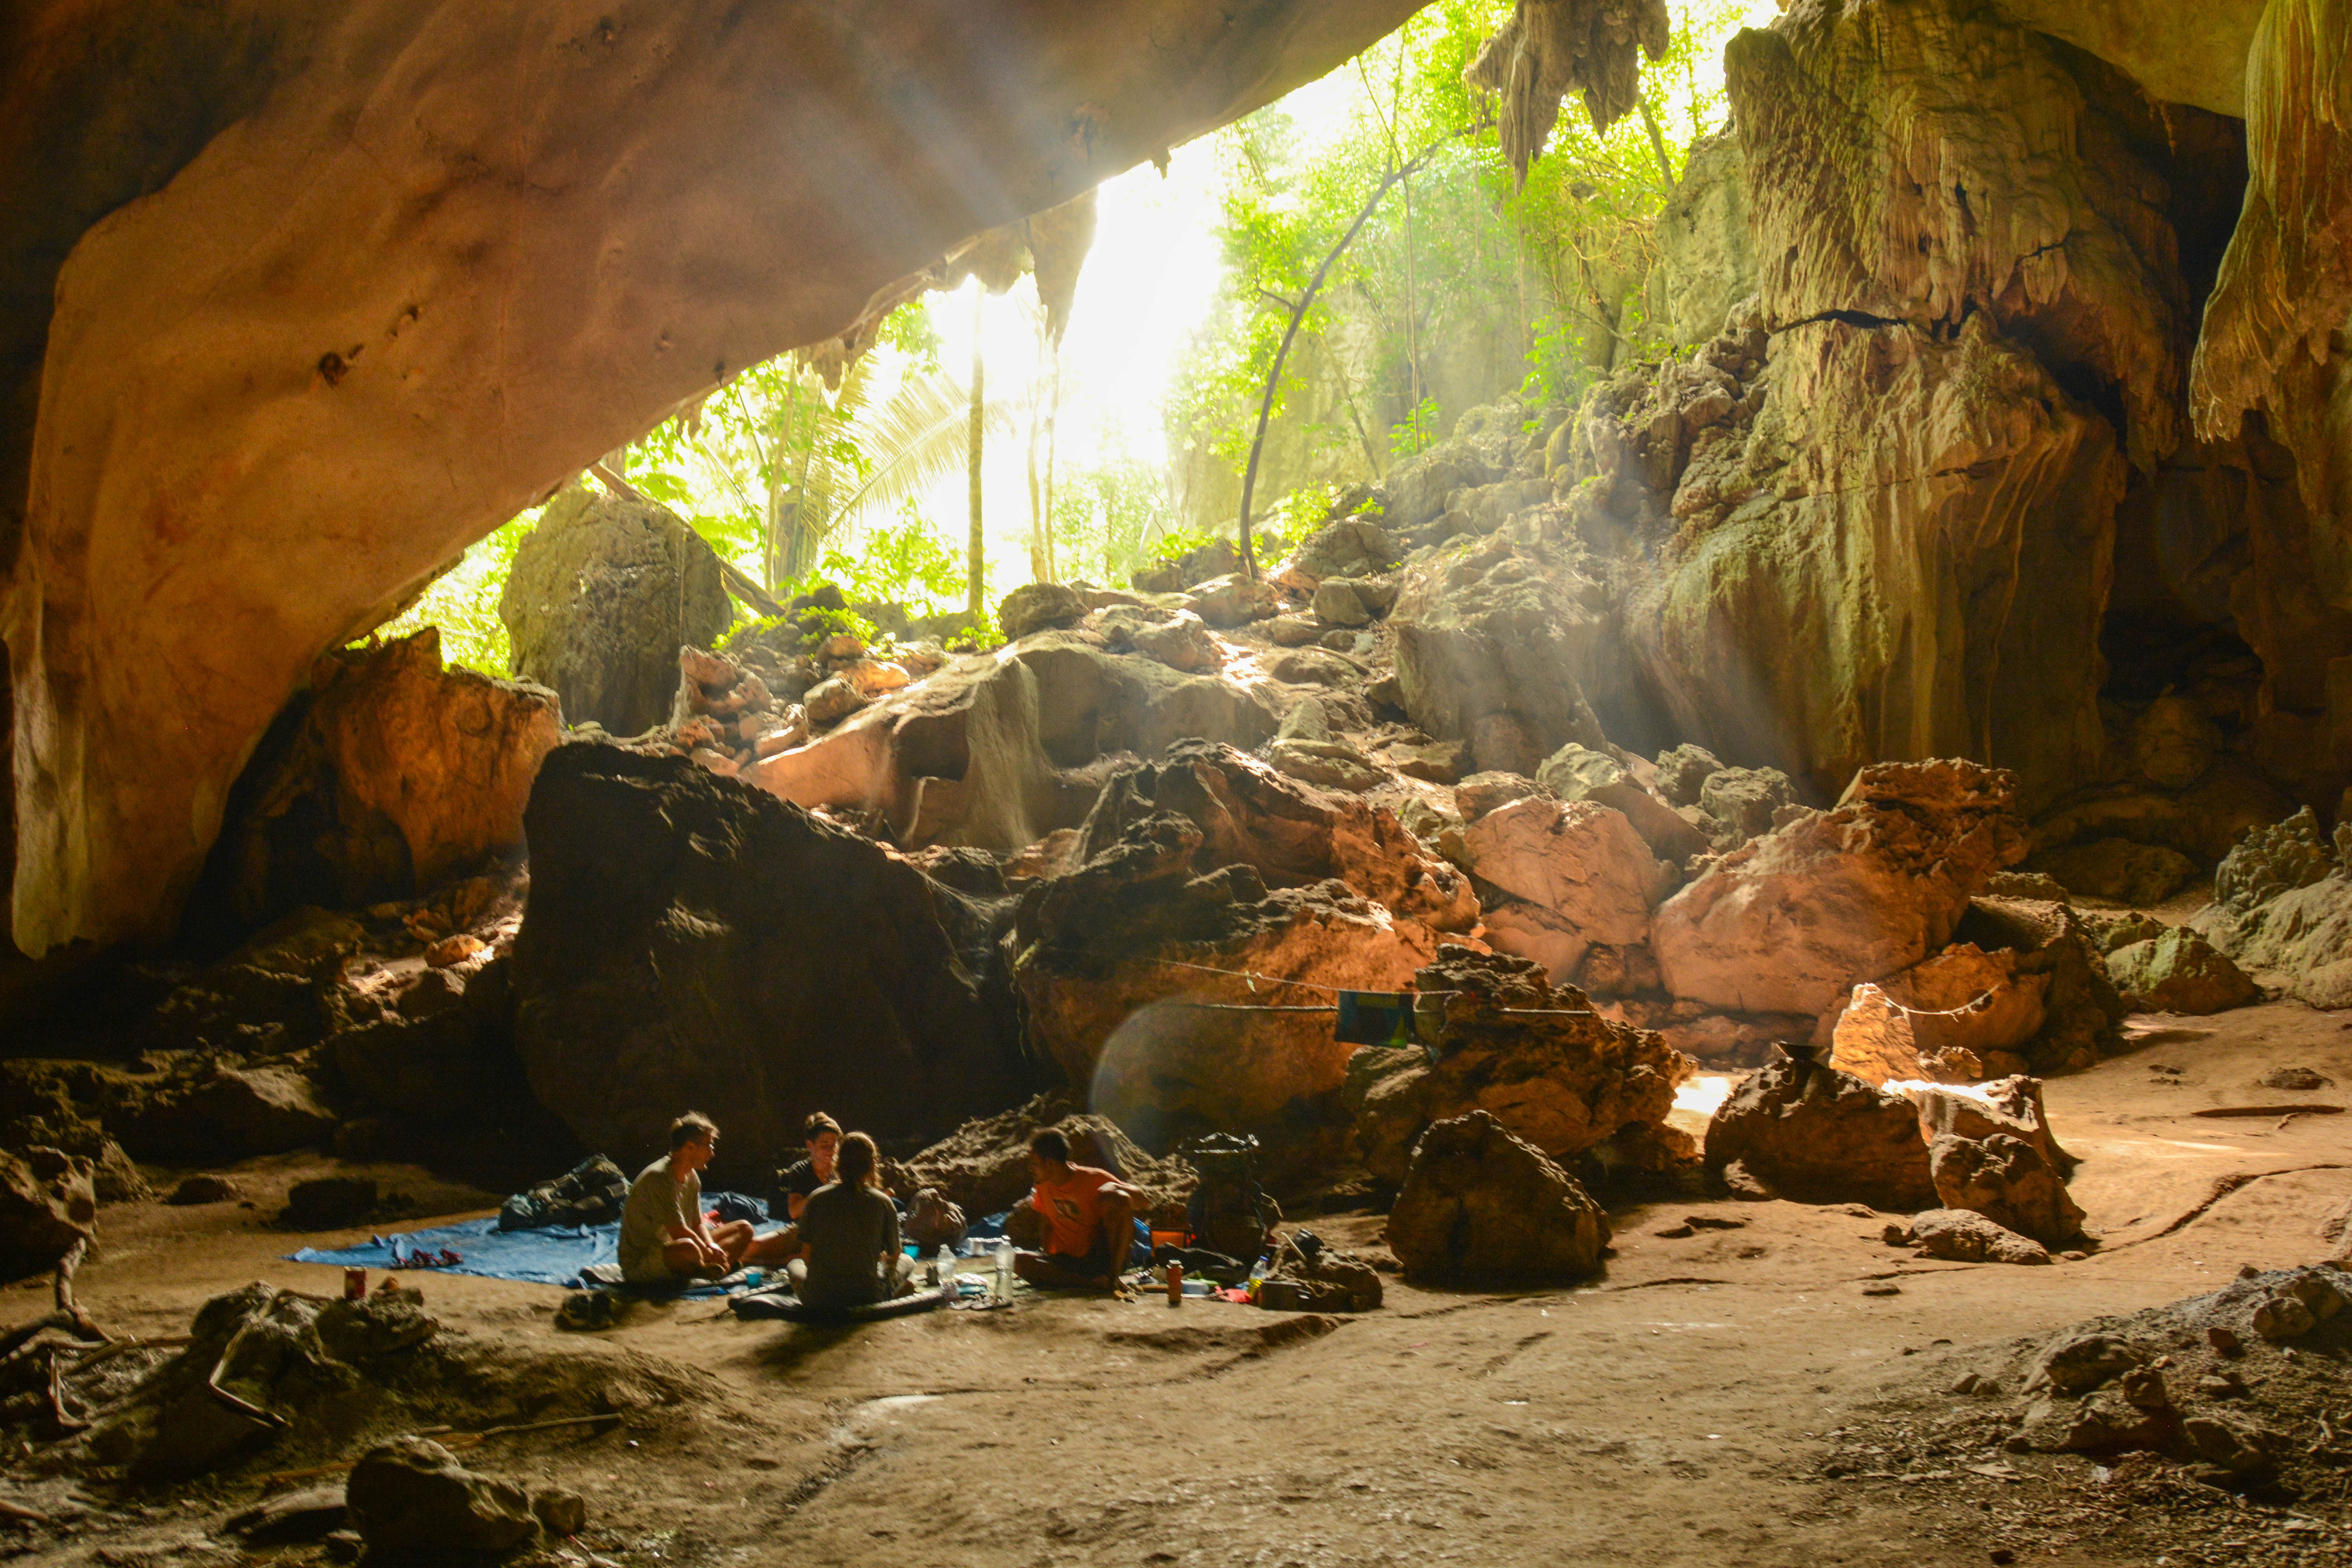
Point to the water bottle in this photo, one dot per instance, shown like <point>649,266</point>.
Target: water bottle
<point>943,1270</point>
<point>1004,1269</point>
<point>1258,1271</point>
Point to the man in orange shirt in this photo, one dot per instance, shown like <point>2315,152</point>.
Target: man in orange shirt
<point>1089,1219</point>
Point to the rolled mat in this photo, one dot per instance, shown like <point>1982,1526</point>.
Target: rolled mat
<point>781,1304</point>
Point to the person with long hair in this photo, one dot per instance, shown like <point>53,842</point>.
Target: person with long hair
<point>849,1236</point>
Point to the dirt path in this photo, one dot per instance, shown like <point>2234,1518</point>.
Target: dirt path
<point>1676,1410</point>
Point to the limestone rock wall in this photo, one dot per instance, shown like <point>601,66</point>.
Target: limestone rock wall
<point>1924,524</point>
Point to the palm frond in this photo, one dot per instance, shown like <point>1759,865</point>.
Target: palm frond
<point>920,436</point>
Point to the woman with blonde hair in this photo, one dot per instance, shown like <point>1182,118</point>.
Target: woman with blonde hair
<point>851,1233</point>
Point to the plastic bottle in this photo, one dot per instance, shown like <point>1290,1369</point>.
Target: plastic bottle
<point>943,1269</point>
<point>1004,1270</point>
<point>1258,1271</point>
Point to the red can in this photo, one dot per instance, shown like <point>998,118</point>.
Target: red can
<point>1175,1284</point>
<point>354,1284</point>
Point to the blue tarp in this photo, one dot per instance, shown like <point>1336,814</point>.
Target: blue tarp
<point>551,1257</point>
<point>556,1256</point>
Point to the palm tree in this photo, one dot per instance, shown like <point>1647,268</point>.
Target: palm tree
<point>812,463</point>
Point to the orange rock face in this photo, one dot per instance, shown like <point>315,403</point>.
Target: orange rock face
<point>401,774</point>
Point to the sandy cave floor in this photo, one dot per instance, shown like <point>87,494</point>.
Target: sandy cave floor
<point>1681,1408</point>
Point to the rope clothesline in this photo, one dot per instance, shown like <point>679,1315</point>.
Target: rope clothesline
<point>1317,985</point>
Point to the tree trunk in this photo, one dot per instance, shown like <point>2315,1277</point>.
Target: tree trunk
<point>976,581</point>
<point>1053,429</point>
<point>1297,314</point>
<point>1041,570</point>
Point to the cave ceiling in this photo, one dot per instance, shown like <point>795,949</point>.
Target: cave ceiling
<point>301,299</point>
<point>336,287</point>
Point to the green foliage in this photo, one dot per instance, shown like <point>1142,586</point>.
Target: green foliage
<point>1456,256</point>
<point>817,624</point>
<point>463,602</point>
<point>1177,544</point>
<point>1287,523</point>
<point>1417,431</point>
<point>904,566</point>
<point>1104,513</point>
<point>911,330</point>
<point>804,464</point>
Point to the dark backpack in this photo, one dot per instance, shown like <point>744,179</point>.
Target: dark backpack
<point>591,1193</point>
<point>1228,1211</point>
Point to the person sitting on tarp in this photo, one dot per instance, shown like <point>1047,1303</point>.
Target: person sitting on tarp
<point>1089,1217</point>
<point>796,1183</point>
<point>665,1235</point>
<point>849,1236</point>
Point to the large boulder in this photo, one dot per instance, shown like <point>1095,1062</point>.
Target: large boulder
<point>1793,922</point>
<point>995,751</point>
<point>1950,1019</point>
<point>693,941</point>
<point>2180,972</point>
<point>603,594</point>
<point>391,775</point>
<point>1217,558</point>
<point>1480,1206</point>
<point>2009,1107</point>
<point>2008,1181</point>
<point>1192,875</point>
<point>2120,870</point>
<point>2283,911</point>
<point>2300,941</point>
<point>1746,800</point>
<point>1584,872</point>
<point>982,1167</point>
<point>1964,1236</point>
<point>2039,938</point>
<point>46,1205</point>
<point>1576,772</point>
<point>1501,1040</point>
<point>2273,859</point>
<point>227,1113</point>
<point>1497,647</point>
<point>1348,547</point>
<point>1818,1135</point>
<point>412,1500</point>
<point>1037,607</point>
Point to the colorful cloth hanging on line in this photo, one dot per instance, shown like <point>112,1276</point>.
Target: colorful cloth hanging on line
<point>1375,1018</point>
